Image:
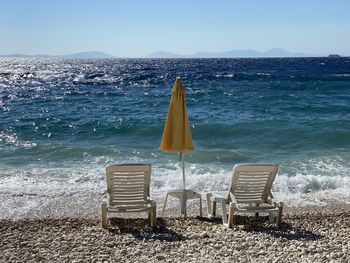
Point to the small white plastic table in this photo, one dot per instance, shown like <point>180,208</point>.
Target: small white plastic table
<point>183,195</point>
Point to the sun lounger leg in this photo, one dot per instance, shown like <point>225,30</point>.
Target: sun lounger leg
<point>213,207</point>
<point>280,211</point>
<point>104,215</point>
<point>272,218</point>
<point>165,202</point>
<point>153,214</point>
<point>184,203</point>
<point>224,212</point>
<point>209,205</point>
<point>180,206</point>
<point>200,207</point>
<point>231,212</point>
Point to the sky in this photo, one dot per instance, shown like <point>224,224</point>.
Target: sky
<point>137,28</point>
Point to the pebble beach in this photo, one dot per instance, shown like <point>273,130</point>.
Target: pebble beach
<point>307,234</point>
<point>64,121</point>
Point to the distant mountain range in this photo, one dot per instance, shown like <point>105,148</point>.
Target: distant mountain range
<point>80,55</point>
<point>248,53</point>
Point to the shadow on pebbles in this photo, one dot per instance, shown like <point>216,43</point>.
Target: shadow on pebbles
<point>308,237</point>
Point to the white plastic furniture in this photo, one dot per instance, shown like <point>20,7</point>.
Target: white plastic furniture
<point>128,190</point>
<point>249,192</point>
<point>183,195</point>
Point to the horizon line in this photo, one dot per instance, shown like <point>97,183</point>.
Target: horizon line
<point>170,54</point>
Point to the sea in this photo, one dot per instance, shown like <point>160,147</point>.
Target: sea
<point>63,121</point>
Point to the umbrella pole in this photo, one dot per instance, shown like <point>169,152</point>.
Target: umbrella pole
<point>182,158</point>
<point>184,194</point>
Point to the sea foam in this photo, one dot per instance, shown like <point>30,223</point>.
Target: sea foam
<point>32,187</point>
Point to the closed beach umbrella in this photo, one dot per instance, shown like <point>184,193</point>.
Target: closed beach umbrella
<point>177,135</point>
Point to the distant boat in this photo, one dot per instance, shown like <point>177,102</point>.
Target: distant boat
<point>334,56</point>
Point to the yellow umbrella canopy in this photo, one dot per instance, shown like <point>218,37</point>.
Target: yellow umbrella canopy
<point>177,135</point>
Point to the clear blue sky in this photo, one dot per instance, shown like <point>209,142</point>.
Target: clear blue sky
<point>131,28</point>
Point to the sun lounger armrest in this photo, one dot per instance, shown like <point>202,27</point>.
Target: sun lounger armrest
<point>271,199</point>
<point>104,202</point>
<point>233,198</point>
<point>108,199</point>
<point>233,202</point>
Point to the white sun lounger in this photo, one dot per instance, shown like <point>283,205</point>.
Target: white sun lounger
<point>128,190</point>
<point>249,192</point>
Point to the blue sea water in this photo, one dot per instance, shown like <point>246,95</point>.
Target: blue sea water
<point>63,121</point>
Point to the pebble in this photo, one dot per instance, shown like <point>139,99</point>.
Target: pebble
<point>160,257</point>
<point>320,235</point>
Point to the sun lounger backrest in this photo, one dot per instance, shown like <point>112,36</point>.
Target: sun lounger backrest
<point>128,184</point>
<point>251,183</point>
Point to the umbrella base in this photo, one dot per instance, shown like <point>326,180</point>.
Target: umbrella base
<point>183,195</point>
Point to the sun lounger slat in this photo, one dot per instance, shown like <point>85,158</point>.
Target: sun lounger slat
<point>248,200</point>
<point>250,187</point>
<point>120,185</point>
<point>130,197</point>
<point>252,181</point>
<point>136,198</point>
<point>130,203</point>
<point>129,190</point>
<point>258,209</point>
<point>257,196</point>
<point>128,181</point>
<point>252,175</point>
<point>127,178</point>
<point>126,173</point>
<point>124,192</point>
<point>125,209</point>
<point>250,193</point>
<point>127,194</point>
